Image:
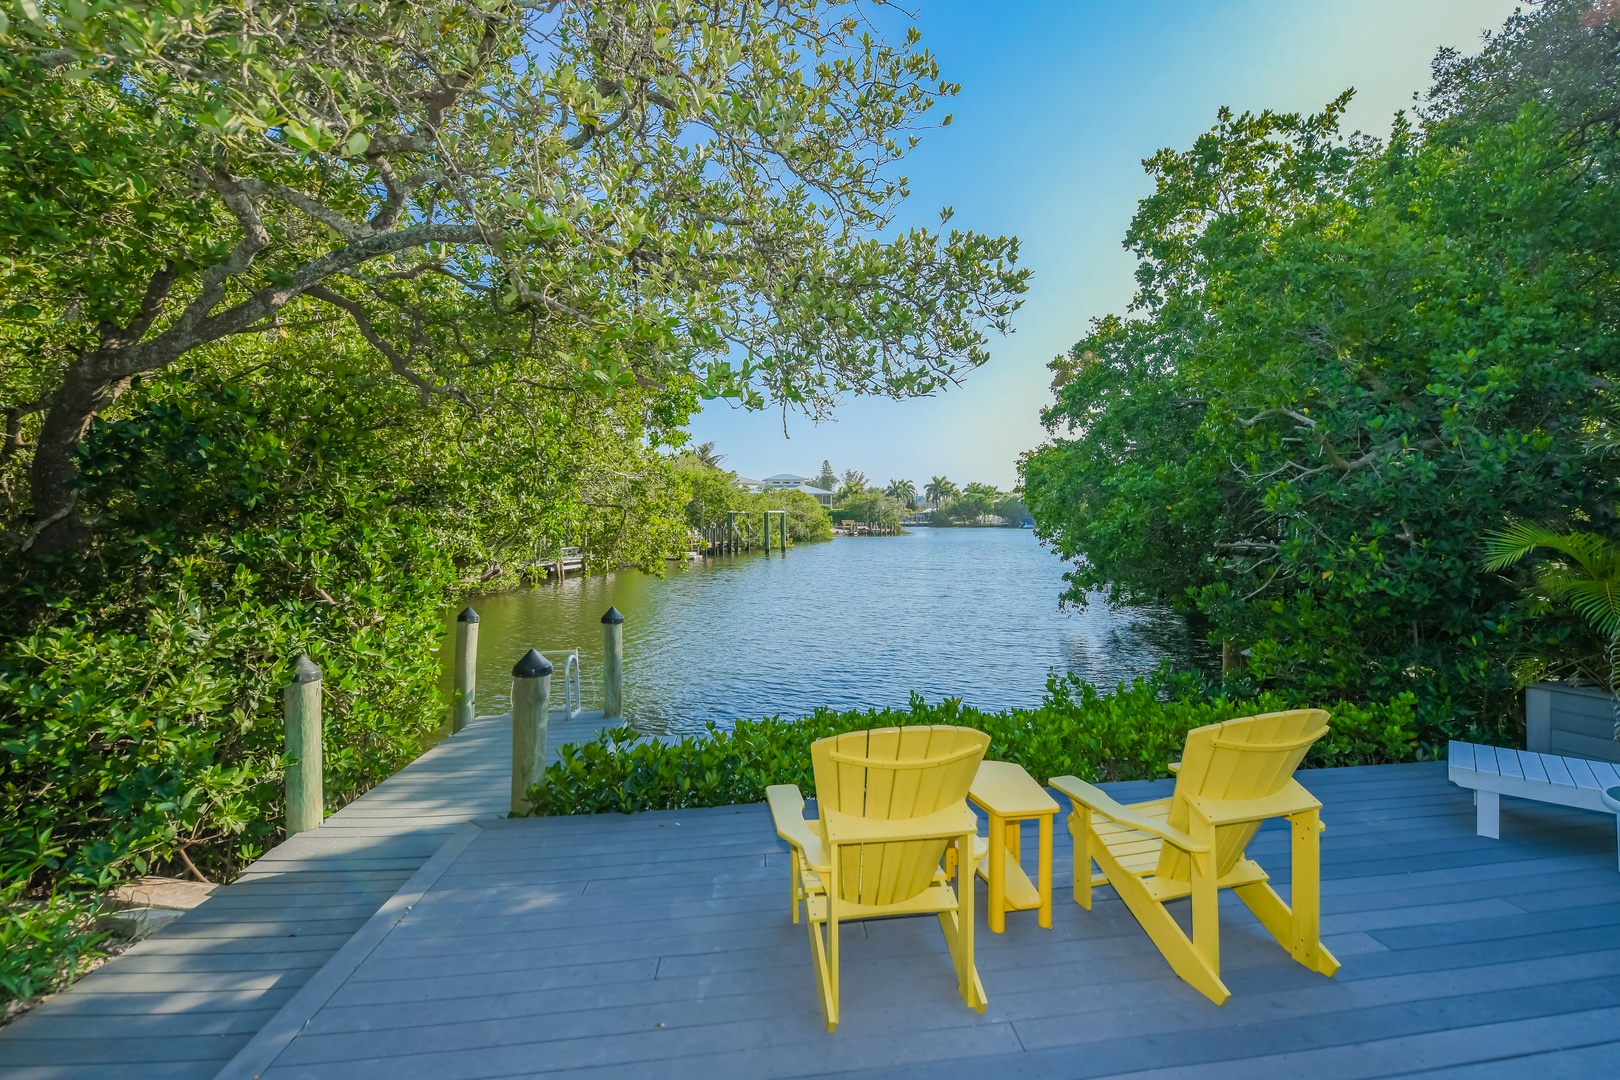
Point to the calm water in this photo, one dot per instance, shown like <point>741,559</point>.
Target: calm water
<point>857,622</point>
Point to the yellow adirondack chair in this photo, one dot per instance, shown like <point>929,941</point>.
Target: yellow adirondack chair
<point>892,801</point>
<point>1232,777</point>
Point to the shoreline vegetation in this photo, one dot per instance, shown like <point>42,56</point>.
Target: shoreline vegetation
<point>1363,414</point>
<point>1132,733</point>
<point>941,503</point>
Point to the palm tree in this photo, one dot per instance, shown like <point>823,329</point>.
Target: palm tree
<point>854,480</point>
<point>1586,577</point>
<point>704,452</point>
<point>938,490</point>
<point>905,491</point>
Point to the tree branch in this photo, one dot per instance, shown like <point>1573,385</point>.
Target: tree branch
<point>157,291</point>
<point>398,362</point>
<point>311,207</point>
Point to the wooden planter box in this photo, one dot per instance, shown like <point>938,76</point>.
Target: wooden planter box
<point>1570,721</point>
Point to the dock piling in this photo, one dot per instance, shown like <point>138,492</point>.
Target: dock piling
<point>466,678</point>
<point>612,665</point>
<point>305,792</point>
<point>531,715</point>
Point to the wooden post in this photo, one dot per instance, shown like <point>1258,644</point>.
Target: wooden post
<point>466,684</point>
<point>1232,657</point>
<point>305,793</point>
<point>767,532</point>
<point>531,714</point>
<point>612,665</point>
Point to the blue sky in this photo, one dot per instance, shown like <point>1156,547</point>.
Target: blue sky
<point>1060,103</point>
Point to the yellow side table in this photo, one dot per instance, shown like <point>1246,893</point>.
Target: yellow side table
<point>1011,796</point>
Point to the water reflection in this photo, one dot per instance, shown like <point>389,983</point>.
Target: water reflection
<point>969,613</point>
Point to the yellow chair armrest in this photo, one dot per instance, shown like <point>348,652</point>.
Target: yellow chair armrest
<point>1094,800</point>
<point>787,811</point>
<point>848,829</point>
<point>1291,799</point>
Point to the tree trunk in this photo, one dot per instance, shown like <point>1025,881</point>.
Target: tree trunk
<point>91,384</point>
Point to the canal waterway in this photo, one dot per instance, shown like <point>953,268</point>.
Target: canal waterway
<point>854,623</point>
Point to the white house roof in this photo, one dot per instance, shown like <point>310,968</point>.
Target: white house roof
<point>808,490</point>
<point>788,476</point>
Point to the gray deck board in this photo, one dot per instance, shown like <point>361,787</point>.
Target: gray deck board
<point>615,945</point>
<point>183,1002</point>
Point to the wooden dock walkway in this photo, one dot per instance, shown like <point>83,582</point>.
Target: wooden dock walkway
<point>660,944</point>
<point>180,1004</point>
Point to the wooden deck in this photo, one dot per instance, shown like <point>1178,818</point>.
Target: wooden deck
<point>178,1005</point>
<point>613,946</point>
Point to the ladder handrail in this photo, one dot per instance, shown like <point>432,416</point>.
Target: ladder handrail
<point>571,702</point>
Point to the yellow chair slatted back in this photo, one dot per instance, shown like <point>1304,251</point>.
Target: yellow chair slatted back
<point>890,774</point>
<point>1237,760</point>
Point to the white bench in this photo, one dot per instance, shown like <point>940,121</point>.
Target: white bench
<point>1493,771</point>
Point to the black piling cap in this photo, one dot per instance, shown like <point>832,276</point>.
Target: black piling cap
<point>467,615</point>
<point>306,670</point>
<point>532,666</point>
<point>612,616</point>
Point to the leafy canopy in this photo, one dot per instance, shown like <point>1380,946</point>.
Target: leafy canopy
<point>1347,361</point>
<point>696,192</point>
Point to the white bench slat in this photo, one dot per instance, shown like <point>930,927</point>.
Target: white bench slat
<point>1557,771</point>
<point>1507,763</point>
<point>1580,770</point>
<point>1460,755</point>
<point>1607,775</point>
<point>1530,765</point>
<point>1485,760</point>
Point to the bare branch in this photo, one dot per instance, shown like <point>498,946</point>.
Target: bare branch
<point>254,240</point>
<point>1299,418</point>
<point>311,207</point>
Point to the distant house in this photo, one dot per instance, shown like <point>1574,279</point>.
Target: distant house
<point>822,495</point>
<point>750,484</point>
<point>790,482</point>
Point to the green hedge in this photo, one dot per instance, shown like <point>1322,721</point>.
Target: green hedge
<point>1131,734</point>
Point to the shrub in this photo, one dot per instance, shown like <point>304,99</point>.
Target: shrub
<point>43,943</point>
<point>44,939</point>
<point>1131,734</point>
